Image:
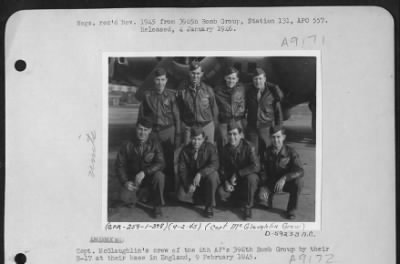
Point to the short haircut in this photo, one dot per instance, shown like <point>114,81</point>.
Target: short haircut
<point>145,122</point>
<point>234,125</point>
<point>276,129</point>
<point>230,70</point>
<point>194,65</point>
<point>160,72</point>
<point>196,131</point>
<point>258,71</point>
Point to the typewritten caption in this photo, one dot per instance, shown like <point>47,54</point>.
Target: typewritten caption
<point>270,229</point>
<point>206,25</point>
<point>215,25</point>
<point>223,254</point>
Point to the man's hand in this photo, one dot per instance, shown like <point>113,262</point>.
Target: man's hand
<point>196,180</point>
<point>229,187</point>
<point>192,188</point>
<point>279,184</point>
<point>233,179</point>
<point>130,186</point>
<point>139,178</point>
<point>263,194</point>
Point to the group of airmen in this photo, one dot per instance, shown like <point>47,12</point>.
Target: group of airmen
<point>229,145</point>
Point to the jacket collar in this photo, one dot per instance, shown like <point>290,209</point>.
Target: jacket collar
<point>255,90</point>
<point>283,152</point>
<point>202,146</point>
<point>154,92</point>
<point>136,141</point>
<point>226,88</point>
<point>238,147</point>
<point>195,88</point>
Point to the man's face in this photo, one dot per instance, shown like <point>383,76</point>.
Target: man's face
<point>142,132</point>
<point>231,80</point>
<point>195,76</point>
<point>160,82</point>
<point>197,141</point>
<point>259,81</point>
<point>234,137</point>
<point>277,139</point>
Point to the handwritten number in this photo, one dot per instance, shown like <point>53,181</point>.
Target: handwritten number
<point>330,258</point>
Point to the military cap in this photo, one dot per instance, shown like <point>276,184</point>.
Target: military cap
<point>230,70</point>
<point>146,122</point>
<point>257,71</point>
<point>234,125</point>
<point>194,65</point>
<point>276,129</point>
<point>196,131</point>
<point>159,72</point>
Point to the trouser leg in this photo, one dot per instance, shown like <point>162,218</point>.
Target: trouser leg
<point>264,136</point>
<point>186,134</point>
<point>248,187</point>
<point>157,187</point>
<point>252,136</point>
<point>210,183</point>
<point>167,139</point>
<point>222,136</point>
<point>294,189</point>
<point>209,131</point>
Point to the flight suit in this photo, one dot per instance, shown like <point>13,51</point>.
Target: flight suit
<point>162,109</point>
<point>197,107</point>
<point>243,162</point>
<point>204,162</point>
<point>262,113</point>
<point>134,157</point>
<point>276,165</point>
<point>231,104</point>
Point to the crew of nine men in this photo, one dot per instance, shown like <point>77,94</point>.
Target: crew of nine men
<point>246,163</point>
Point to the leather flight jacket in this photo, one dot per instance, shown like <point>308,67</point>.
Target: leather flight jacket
<point>134,157</point>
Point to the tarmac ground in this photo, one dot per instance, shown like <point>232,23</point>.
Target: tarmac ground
<point>299,136</point>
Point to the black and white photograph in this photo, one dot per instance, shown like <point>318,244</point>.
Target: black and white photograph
<point>224,134</point>
<point>212,138</point>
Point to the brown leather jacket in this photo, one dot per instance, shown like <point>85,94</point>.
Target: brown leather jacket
<point>268,110</point>
<point>241,160</point>
<point>130,161</point>
<point>197,106</point>
<point>285,163</point>
<point>231,102</point>
<point>206,163</point>
<point>161,108</point>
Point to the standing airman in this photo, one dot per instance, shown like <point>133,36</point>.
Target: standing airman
<point>263,108</point>
<point>159,105</point>
<point>197,104</point>
<point>230,98</point>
